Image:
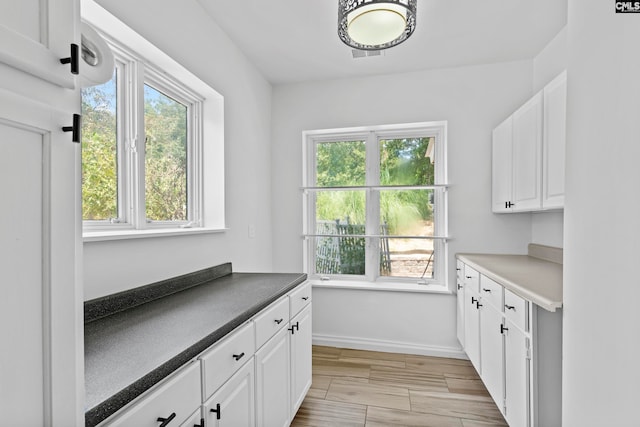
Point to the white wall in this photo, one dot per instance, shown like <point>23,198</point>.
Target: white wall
<point>473,100</point>
<point>547,227</point>
<point>601,373</point>
<point>184,31</point>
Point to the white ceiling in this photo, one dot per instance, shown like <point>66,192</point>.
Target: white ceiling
<point>296,40</point>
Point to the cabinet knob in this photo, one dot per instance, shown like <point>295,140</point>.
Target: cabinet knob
<point>486,290</point>
<point>238,356</point>
<point>278,321</point>
<point>216,411</point>
<point>510,307</point>
<point>459,286</point>
<point>201,423</point>
<point>478,305</point>
<point>502,329</point>
<point>473,300</point>
<point>468,277</point>
<point>166,421</point>
<point>305,298</point>
<point>458,269</point>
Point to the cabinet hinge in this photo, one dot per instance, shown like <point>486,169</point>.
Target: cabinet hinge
<point>528,354</point>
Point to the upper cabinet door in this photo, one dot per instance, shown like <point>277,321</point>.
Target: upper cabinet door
<point>527,155</point>
<point>36,34</point>
<point>502,167</point>
<point>555,111</point>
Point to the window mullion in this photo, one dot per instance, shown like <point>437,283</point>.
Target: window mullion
<point>372,251</point>
<point>138,153</point>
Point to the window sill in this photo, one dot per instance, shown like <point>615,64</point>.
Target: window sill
<point>100,236</point>
<point>381,286</point>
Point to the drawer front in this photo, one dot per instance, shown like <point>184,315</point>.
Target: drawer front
<point>221,361</point>
<point>271,320</point>
<point>471,278</point>
<point>516,310</point>
<point>299,298</point>
<point>179,394</point>
<point>491,292</point>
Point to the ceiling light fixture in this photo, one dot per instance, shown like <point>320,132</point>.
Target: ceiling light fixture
<point>375,24</point>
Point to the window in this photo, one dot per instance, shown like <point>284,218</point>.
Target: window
<point>375,204</point>
<point>144,134</point>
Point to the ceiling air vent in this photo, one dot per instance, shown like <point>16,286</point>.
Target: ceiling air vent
<point>358,53</point>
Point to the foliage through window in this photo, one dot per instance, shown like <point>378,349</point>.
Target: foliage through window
<point>376,203</point>
<point>139,150</point>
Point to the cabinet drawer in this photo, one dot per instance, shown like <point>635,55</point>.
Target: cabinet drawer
<point>299,298</point>
<point>271,320</point>
<point>471,279</point>
<point>226,357</point>
<point>179,394</point>
<point>516,310</point>
<point>491,292</point>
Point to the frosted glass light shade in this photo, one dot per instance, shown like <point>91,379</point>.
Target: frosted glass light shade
<point>375,24</point>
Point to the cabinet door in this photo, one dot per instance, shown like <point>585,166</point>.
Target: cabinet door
<point>35,34</point>
<point>233,404</point>
<point>502,167</point>
<point>300,340</point>
<point>517,368</point>
<point>527,155</point>
<point>460,298</point>
<point>472,327</point>
<point>41,300</point>
<point>555,111</point>
<point>491,348</point>
<point>273,382</point>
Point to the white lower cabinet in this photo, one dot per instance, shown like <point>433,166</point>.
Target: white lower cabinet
<point>516,376</point>
<point>460,302</point>
<point>300,340</point>
<point>257,375</point>
<point>233,404</point>
<point>516,347</point>
<point>491,348</point>
<point>272,381</point>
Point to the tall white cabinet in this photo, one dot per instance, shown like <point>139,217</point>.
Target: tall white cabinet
<point>40,249</point>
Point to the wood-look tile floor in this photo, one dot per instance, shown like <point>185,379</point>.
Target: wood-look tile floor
<point>374,389</point>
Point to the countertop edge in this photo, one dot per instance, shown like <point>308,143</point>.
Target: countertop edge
<point>522,291</point>
<point>108,407</point>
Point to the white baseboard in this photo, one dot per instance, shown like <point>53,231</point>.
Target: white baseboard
<point>388,346</point>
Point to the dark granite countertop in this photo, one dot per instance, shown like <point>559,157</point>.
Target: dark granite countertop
<point>129,351</point>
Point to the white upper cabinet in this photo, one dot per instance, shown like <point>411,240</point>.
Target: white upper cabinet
<point>36,34</point>
<point>555,111</point>
<point>528,153</point>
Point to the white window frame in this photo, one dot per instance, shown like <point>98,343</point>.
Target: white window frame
<point>142,63</point>
<point>372,136</point>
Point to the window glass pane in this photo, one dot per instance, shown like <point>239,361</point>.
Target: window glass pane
<point>408,213</point>
<point>340,214</point>
<point>99,151</point>
<point>407,258</point>
<point>340,164</point>
<point>407,161</point>
<point>165,122</point>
